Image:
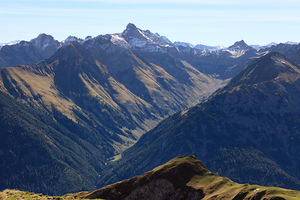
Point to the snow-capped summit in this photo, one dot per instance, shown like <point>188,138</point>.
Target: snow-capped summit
<point>138,38</point>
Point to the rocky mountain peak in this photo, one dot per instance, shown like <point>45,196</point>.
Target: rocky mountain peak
<point>44,41</point>
<point>145,39</point>
<point>131,26</point>
<point>43,37</point>
<point>72,39</point>
<point>239,45</point>
<point>131,31</point>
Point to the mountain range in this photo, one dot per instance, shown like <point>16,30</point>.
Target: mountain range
<point>68,109</point>
<point>247,131</point>
<point>70,114</point>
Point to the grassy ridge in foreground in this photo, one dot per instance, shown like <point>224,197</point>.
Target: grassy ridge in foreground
<point>187,178</point>
<point>182,178</point>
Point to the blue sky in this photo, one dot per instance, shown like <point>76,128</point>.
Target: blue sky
<point>211,22</point>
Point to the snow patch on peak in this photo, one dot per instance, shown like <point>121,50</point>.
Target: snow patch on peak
<point>118,40</point>
<point>236,53</point>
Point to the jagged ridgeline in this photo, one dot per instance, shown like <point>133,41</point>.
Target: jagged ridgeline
<point>182,178</point>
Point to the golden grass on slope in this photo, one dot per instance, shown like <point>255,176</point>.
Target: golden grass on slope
<point>96,90</point>
<point>216,187</point>
<point>126,97</point>
<point>34,84</point>
<point>21,195</point>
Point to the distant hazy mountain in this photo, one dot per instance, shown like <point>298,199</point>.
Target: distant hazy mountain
<point>201,46</point>
<point>198,46</point>
<point>9,43</point>
<point>273,44</point>
<point>184,44</point>
<point>290,42</point>
<point>247,131</point>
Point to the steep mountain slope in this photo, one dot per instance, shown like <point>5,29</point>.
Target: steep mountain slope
<point>185,178</point>
<point>84,105</point>
<point>28,53</point>
<point>248,131</point>
<point>40,153</point>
